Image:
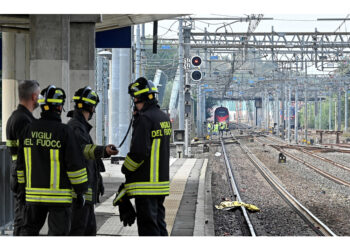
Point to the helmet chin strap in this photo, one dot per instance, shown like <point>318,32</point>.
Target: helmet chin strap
<point>90,115</point>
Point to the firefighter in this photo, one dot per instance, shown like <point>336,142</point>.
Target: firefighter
<point>50,164</point>
<point>146,166</point>
<point>226,127</point>
<point>28,93</point>
<point>83,219</point>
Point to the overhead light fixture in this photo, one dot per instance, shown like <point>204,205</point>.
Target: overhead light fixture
<point>104,52</point>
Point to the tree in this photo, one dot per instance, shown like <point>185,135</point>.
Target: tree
<point>344,67</point>
<point>314,121</point>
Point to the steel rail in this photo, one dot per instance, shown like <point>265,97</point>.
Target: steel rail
<point>316,224</point>
<point>321,172</point>
<point>318,157</point>
<point>235,189</point>
<point>337,150</point>
<point>325,159</point>
<point>325,174</point>
<point>339,145</point>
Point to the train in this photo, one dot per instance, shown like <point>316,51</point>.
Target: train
<point>221,114</point>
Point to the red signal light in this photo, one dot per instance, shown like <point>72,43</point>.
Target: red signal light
<point>196,61</point>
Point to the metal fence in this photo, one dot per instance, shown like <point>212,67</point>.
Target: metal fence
<point>6,195</point>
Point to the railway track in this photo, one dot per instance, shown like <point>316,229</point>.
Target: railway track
<point>316,169</point>
<point>313,155</point>
<point>316,224</point>
<point>321,149</point>
<point>338,145</point>
<point>235,189</point>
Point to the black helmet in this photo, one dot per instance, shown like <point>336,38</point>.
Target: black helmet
<point>85,98</point>
<point>51,97</point>
<point>142,89</point>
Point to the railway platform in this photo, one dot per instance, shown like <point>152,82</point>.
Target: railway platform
<point>189,209</point>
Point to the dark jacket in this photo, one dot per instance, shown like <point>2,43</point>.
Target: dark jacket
<point>92,154</point>
<point>146,166</point>
<point>16,123</point>
<point>50,162</point>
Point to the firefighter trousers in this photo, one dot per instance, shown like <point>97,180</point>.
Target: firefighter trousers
<point>150,213</point>
<point>83,221</point>
<point>59,219</point>
<point>18,220</point>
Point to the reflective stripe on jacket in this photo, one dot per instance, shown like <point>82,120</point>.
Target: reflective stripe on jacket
<point>19,119</point>
<point>146,166</point>
<point>92,153</point>
<point>50,162</point>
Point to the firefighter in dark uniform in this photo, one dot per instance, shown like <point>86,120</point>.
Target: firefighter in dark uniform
<point>28,93</point>
<point>50,163</point>
<point>146,166</point>
<point>221,128</point>
<point>226,128</point>
<point>83,219</point>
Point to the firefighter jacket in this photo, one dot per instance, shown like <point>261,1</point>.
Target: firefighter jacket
<point>92,154</point>
<point>50,162</point>
<point>16,123</point>
<point>146,166</point>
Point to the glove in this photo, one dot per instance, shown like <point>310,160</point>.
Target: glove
<point>80,201</point>
<point>126,212</point>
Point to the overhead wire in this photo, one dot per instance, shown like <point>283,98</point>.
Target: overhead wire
<point>169,29</point>
<point>343,22</point>
<point>229,24</point>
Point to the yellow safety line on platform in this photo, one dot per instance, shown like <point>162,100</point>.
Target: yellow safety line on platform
<point>177,187</point>
<point>199,222</point>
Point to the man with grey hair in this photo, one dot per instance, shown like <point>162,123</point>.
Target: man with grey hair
<point>28,93</point>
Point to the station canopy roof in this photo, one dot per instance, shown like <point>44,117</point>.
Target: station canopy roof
<point>20,23</point>
<point>122,20</point>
